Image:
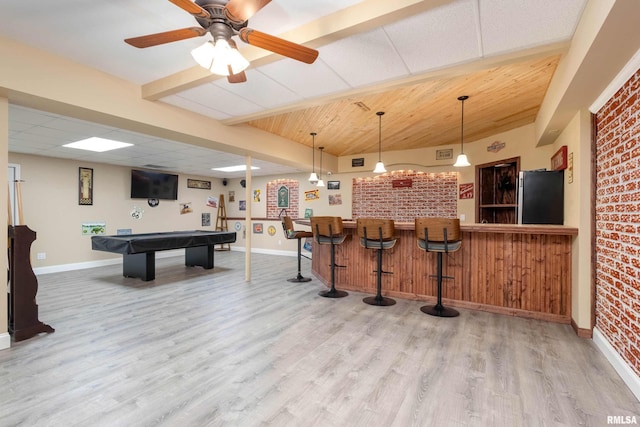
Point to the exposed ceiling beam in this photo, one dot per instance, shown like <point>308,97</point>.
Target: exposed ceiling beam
<point>359,18</point>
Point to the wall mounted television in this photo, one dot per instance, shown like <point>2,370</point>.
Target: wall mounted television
<point>153,185</point>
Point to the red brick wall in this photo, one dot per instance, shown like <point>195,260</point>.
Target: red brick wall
<point>618,221</point>
<point>272,198</point>
<point>430,194</point>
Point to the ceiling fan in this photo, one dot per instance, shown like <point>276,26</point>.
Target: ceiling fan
<point>224,19</point>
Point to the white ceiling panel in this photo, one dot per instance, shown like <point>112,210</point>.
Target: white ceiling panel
<point>260,90</point>
<point>526,22</point>
<point>188,104</point>
<point>440,37</point>
<point>283,15</point>
<point>220,98</point>
<point>364,59</point>
<point>307,80</point>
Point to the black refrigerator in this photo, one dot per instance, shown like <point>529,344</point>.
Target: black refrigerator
<point>541,197</point>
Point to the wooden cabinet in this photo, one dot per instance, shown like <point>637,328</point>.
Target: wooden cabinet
<point>497,201</point>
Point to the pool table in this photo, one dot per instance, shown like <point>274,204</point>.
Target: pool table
<point>139,250</point>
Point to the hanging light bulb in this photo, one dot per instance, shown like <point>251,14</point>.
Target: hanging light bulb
<point>320,181</point>
<point>462,160</point>
<point>379,166</point>
<point>313,178</point>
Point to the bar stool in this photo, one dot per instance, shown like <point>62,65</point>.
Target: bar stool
<point>290,233</point>
<point>377,234</point>
<point>441,235</point>
<point>327,230</point>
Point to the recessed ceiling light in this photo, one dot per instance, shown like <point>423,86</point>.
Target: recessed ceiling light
<point>234,168</point>
<point>97,144</point>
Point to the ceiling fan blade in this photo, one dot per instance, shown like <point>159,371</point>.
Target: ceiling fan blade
<point>241,77</point>
<point>192,8</point>
<point>166,37</point>
<point>278,45</point>
<point>241,10</point>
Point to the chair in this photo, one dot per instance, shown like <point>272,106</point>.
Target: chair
<point>377,234</point>
<point>441,235</point>
<point>290,233</point>
<point>327,230</point>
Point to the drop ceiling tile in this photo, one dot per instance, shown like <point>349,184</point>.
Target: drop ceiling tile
<point>446,35</point>
<point>510,25</point>
<point>364,59</point>
<point>307,80</point>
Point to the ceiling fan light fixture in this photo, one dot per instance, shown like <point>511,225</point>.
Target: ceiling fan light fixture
<point>220,58</point>
<point>462,159</point>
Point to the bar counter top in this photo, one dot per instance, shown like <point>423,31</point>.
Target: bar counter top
<point>520,270</point>
<point>562,230</point>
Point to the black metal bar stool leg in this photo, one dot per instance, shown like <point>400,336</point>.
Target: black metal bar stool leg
<point>379,299</point>
<point>438,309</point>
<point>299,278</point>
<point>333,292</point>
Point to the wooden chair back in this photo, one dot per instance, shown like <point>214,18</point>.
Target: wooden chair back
<point>373,227</point>
<point>327,226</point>
<point>435,229</point>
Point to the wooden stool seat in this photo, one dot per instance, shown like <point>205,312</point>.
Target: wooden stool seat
<point>440,235</point>
<point>377,234</point>
<point>290,233</point>
<point>327,230</point>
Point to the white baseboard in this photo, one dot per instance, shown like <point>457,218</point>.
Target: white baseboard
<point>101,263</point>
<point>5,341</point>
<point>630,378</point>
<point>161,254</point>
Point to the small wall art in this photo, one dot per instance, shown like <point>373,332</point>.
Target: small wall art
<point>333,185</point>
<point>196,183</point>
<point>257,228</point>
<point>86,186</point>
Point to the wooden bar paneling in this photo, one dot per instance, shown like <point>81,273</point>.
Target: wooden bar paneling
<point>510,269</point>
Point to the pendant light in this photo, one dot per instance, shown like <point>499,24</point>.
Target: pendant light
<point>320,181</point>
<point>379,166</point>
<point>313,178</point>
<point>462,160</point>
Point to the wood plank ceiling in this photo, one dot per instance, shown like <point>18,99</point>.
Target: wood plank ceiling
<point>425,114</point>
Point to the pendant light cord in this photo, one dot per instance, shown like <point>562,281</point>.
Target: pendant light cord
<point>462,99</point>
<point>313,151</point>
<point>380,113</point>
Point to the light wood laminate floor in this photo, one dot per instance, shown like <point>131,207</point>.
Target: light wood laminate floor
<point>204,348</point>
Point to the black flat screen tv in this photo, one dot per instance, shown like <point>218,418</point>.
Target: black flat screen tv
<point>153,185</point>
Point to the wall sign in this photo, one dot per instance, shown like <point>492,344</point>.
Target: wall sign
<point>357,163</point>
<point>444,154</point>
<point>466,191</point>
<point>196,183</point>
<point>495,146</point>
<point>402,183</point>
<point>559,159</point>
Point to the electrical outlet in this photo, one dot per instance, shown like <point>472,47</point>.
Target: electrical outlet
<point>42,255</point>
<point>462,217</point>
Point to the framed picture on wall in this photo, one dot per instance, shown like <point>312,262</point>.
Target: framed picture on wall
<point>85,186</point>
<point>333,185</point>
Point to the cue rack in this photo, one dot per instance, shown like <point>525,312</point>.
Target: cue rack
<point>23,284</point>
